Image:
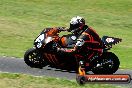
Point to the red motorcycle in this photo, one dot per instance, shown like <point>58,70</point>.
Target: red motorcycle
<point>45,53</point>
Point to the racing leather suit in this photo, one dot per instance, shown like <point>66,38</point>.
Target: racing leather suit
<point>88,44</point>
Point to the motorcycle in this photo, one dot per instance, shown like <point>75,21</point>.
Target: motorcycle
<point>45,53</point>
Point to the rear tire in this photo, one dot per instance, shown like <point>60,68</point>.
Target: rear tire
<point>108,63</point>
<point>34,59</point>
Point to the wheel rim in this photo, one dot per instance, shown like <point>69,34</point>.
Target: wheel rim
<point>34,58</point>
<point>108,63</point>
<point>106,66</point>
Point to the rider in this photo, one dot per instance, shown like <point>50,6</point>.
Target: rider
<point>84,34</point>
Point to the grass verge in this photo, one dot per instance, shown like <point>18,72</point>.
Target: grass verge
<point>8,80</point>
<point>22,20</point>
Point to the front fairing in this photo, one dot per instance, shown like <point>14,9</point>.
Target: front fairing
<point>38,42</point>
<point>45,44</point>
<point>42,40</point>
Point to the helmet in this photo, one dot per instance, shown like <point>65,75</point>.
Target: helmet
<point>76,23</point>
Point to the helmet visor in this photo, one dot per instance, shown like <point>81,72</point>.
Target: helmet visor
<point>73,26</point>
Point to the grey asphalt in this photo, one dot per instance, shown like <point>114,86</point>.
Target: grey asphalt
<point>17,65</point>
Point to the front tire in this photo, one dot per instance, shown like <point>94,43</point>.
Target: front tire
<point>34,59</point>
<point>108,63</point>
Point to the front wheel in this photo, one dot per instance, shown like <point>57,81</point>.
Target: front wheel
<point>34,59</point>
<point>108,63</point>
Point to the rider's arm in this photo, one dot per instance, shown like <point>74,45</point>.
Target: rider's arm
<point>54,31</point>
<point>89,42</point>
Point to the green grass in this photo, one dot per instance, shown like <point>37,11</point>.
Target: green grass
<point>22,20</point>
<point>26,81</point>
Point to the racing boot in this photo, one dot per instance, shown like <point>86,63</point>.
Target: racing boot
<point>81,69</point>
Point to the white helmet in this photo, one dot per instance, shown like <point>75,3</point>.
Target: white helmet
<point>76,22</point>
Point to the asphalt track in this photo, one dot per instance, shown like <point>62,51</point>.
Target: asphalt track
<point>15,65</point>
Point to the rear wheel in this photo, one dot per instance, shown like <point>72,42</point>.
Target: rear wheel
<point>108,63</point>
<point>34,59</point>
